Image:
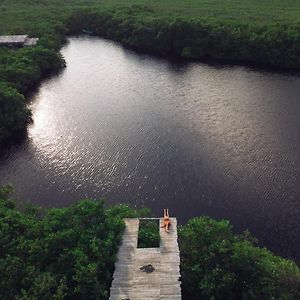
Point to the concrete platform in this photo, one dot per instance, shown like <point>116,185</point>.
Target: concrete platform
<point>130,282</point>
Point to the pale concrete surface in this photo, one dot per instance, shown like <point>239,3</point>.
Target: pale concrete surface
<point>131,283</point>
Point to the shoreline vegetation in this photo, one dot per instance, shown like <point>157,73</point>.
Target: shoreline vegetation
<point>69,253</point>
<point>20,71</point>
<point>148,235</point>
<point>251,31</point>
<point>276,46</point>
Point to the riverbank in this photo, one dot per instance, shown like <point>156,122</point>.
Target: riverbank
<point>276,46</point>
<point>67,253</point>
<point>20,71</point>
<point>258,35</point>
<point>251,31</point>
<point>212,132</point>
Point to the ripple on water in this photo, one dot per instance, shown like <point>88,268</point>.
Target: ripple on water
<point>202,140</point>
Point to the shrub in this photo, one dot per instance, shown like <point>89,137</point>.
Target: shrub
<point>60,253</point>
<point>148,236</point>
<point>13,111</point>
<point>216,264</point>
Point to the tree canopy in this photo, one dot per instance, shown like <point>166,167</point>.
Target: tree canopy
<point>60,253</point>
<point>69,253</point>
<point>217,265</point>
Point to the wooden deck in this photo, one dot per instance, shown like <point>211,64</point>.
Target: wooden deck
<point>132,283</point>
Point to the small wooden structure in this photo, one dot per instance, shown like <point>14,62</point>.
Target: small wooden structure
<point>147,273</point>
<point>17,41</point>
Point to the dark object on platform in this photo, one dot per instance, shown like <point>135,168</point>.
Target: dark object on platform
<point>148,268</point>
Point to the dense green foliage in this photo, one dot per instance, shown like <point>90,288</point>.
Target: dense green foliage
<point>20,70</point>
<point>256,31</point>
<point>60,253</point>
<point>41,16</point>
<point>216,264</point>
<point>13,111</point>
<point>252,31</point>
<point>24,67</point>
<point>148,236</point>
<point>277,45</point>
<point>69,253</point>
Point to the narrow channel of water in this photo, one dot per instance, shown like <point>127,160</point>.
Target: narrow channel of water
<point>209,140</point>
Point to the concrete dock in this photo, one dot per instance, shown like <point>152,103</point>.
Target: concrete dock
<point>147,273</point>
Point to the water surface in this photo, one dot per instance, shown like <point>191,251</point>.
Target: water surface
<point>209,140</point>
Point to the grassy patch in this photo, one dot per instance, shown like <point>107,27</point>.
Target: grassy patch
<point>148,234</point>
<point>18,14</point>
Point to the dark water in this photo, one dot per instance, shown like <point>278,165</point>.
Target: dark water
<point>221,141</point>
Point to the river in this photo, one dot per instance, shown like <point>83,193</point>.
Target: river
<point>200,139</point>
